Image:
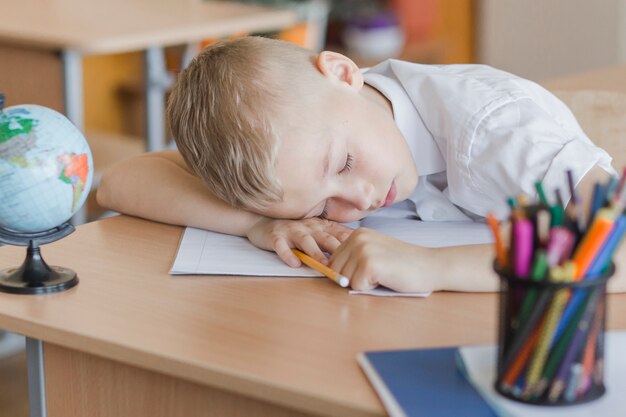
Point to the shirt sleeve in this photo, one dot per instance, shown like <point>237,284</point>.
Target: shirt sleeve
<point>512,146</point>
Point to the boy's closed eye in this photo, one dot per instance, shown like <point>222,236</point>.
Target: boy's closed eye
<point>346,168</point>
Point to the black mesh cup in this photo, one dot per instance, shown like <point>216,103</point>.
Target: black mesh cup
<point>551,339</point>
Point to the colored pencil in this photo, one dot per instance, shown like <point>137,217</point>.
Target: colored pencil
<point>558,351</point>
<point>547,332</point>
<point>574,207</point>
<point>523,240</point>
<point>593,241</point>
<point>589,354</point>
<point>499,244</point>
<point>603,258</point>
<point>559,384</point>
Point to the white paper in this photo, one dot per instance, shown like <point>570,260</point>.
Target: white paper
<point>431,234</point>
<point>480,364</point>
<point>210,253</point>
<point>386,292</point>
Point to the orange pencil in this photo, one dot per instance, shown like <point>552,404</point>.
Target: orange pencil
<point>593,240</point>
<point>519,362</point>
<point>500,250</point>
<point>322,269</point>
<point>589,354</point>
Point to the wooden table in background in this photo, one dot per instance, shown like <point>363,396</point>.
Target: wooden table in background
<point>132,340</point>
<point>606,79</point>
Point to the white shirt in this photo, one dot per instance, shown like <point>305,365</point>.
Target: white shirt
<point>479,135</point>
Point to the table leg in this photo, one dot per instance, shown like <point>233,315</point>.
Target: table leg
<point>74,110</point>
<point>36,378</point>
<point>157,82</point>
<point>73,87</point>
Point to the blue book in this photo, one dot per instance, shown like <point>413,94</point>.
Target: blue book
<point>422,382</point>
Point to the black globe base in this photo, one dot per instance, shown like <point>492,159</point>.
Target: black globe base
<point>35,276</point>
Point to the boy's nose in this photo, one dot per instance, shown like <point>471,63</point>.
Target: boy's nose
<point>360,195</point>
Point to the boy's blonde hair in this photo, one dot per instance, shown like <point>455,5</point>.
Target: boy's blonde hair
<point>221,112</point>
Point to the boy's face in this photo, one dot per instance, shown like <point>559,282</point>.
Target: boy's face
<point>345,159</point>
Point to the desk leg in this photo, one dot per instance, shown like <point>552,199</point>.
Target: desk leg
<point>157,83</point>
<point>73,90</point>
<point>36,378</point>
<point>73,87</point>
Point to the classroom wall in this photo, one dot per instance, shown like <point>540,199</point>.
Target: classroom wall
<point>622,32</point>
<point>455,26</point>
<point>109,100</point>
<point>549,38</point>
<point>24,73</point>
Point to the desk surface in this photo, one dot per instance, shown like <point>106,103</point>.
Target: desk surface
<point>115,26</point>
<point>608,79</point>
<point>288,341</point>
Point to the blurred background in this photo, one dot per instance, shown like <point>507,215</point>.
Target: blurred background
<point>539,40</point>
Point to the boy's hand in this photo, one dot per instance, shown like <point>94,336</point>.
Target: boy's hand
<point>369,258</point>
<point>313,236</point>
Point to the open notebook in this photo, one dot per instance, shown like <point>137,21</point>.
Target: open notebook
<point>204,252</point>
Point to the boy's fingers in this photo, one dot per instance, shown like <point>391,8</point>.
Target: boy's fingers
<point>363,279</point>
<point>284,252</point>
<point>328,243</point>
<point>338,261</point>
<point>309,246</point>
<point>340,231</point>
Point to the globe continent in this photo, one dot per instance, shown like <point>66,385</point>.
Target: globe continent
<point>46,169</point>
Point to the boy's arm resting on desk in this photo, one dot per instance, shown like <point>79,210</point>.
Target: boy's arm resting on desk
<point>370,258</point>
<point>158,186</point>
<point>468,268</point>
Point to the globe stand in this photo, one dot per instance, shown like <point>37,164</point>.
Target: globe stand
<point>35,276</point>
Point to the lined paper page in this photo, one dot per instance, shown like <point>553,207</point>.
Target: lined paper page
<point>208,253</point>
<point>204,252</point>
<point>431,234</point>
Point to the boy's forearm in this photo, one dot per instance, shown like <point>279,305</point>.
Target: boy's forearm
<point>157,187</point>
<point>463,268</point>
<point>469,268</point>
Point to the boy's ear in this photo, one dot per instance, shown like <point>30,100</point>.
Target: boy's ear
<point>339,67</point>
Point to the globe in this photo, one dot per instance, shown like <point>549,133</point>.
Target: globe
<point>46,169</point>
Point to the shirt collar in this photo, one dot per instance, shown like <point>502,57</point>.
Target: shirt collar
<point>426,154</point>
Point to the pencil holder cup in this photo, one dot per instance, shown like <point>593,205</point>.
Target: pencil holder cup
<point>551,339</point>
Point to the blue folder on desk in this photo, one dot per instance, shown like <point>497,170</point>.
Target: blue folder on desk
<point>422,382</point>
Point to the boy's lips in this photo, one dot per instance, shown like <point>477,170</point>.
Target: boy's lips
<point>391,195</point>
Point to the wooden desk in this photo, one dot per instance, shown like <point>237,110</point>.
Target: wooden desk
<point>598,100</point>
<point>608,79</point>
<point>131,340</point>
<point>33,32</point>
